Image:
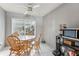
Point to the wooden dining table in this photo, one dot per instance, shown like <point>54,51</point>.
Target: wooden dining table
<point>27,37</point>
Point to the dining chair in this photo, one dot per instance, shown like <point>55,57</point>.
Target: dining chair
<point>37,44</point>
<point>15,34</point>
<point>27,46</point>
<point>15,46</point>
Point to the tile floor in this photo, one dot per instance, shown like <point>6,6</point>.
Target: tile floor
<point>44,51</point>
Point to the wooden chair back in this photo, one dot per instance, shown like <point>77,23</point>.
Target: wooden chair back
<point>26,43</point>
<point>37,43</point>
<point>13,42</point>
<point>15,34</point>
<point>27,46</point>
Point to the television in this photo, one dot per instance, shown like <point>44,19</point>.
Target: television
<point>73,33</point>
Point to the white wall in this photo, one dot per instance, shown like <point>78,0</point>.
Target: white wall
<point>65,14</point>
<point>11,15</point>
<point>2,27</point>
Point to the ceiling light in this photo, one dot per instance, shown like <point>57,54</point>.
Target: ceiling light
<point>26,12</point>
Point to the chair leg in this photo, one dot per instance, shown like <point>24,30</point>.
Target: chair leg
<point>18,54</point>
<point>39,52</point>
<point>10,54</point>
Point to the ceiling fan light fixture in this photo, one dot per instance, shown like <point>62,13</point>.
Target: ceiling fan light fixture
<point>30,8</point>
<point>28,12</point>
<point>25,12</point>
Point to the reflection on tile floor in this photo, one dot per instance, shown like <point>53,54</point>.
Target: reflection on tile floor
<point>44,51</point>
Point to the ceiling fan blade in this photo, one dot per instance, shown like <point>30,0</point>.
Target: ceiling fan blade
<point>25,6</point>
<point>36,6</point>
<point>33,5</point>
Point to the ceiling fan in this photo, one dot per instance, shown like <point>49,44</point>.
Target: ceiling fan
<point>29,8</point>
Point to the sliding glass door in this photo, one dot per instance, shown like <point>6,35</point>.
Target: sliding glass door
<point>24,27</point>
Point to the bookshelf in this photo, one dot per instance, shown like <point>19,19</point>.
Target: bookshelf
<point>69,43</point>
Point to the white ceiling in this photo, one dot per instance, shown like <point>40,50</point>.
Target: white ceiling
<point>44,8</point>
